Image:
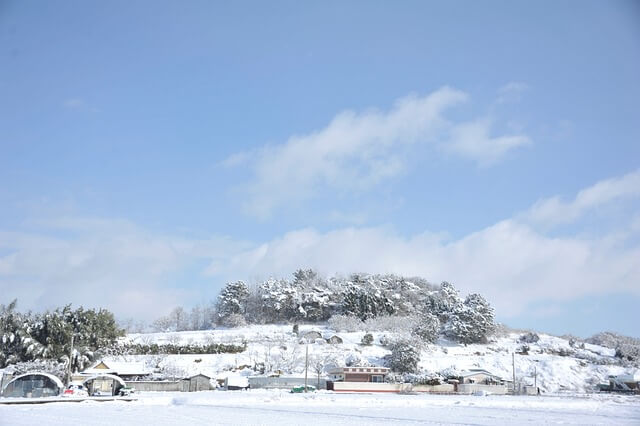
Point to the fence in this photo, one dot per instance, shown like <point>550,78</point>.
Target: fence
<point>262,382</point>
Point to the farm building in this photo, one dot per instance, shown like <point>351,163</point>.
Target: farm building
<point>33,385</point>
<point>358,374</point>
<point>199,382</point>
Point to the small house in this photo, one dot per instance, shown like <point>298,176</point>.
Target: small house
<point>480,376</point>
<point>358,374</point>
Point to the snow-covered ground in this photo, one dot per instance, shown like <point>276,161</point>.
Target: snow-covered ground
<point>558,366</point>
<point>282,408</point>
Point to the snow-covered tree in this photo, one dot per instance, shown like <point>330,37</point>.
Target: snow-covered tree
<point>362,299</point>
<point>404,357</point>
<point>427,328</point>
<point>471,322</point>
<point>233,299</point>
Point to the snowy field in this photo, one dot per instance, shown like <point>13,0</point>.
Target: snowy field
<point>282,408</point>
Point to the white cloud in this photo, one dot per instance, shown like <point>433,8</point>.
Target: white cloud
<point>101,262</point>
<point>74,103</point>
<point>553,211</point>
<point>511,92</point>
<point>473,140</point>
<point>356,151</point>
<point>511,262</point>
<point>136,272</point>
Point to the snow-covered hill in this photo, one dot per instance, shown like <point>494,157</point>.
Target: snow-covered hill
<point>557,364</point>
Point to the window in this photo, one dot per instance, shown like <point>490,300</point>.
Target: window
<point>376,378</point>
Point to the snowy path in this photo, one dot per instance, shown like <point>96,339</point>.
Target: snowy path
<point>274,407</point>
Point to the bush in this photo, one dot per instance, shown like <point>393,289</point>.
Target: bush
<point>367,339</point>
<point>529,337</point>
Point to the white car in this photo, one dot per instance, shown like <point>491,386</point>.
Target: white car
<point>75,389</point>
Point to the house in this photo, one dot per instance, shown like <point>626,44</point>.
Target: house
<point>125,370</point>
<point>358,374</point>
<point>479,376</point>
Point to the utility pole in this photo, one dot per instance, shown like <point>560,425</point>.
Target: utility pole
<point>513,357</point>
<point>70,360</point>
<point>306,366</point>
<point>535,378</point>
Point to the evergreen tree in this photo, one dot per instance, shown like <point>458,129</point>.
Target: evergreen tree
<point>404,357</point>
<point>233,299</point>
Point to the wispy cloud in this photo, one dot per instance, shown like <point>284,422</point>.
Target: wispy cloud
<point>511,92</point>
<point>473,140</point>
<point>356,151</point>
<point>78,104</point>
<point>554,211</point>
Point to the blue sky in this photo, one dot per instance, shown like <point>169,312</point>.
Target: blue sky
<point>150,151</point>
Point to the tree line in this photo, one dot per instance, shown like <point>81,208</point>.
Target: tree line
<point>64,335</point>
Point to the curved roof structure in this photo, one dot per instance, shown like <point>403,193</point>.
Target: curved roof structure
<point>109,376</point>
<point>53,378</point>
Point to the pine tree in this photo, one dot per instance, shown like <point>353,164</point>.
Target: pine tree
<point>233,299</point>
<point>427,329</point>
<point>404,357</point>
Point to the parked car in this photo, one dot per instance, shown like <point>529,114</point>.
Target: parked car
<point>75,389</point>
<point>126,391</point>
<point>300,389</point>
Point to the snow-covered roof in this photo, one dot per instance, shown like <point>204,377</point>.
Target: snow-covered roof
<point>53,378</point>
<point>240,381</point>
<point>119,368</point>
<point>370,370</point>
<point>477,371</point>
<point>109,376</point>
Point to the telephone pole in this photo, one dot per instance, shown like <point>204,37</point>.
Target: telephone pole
<point>70,360</point>
<point>513,358</point>
<point>306,366</point>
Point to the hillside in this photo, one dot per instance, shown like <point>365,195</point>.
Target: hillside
<point>561,365</point>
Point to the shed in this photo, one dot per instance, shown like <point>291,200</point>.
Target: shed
<point>199,382</point>
<point>33,385</point>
